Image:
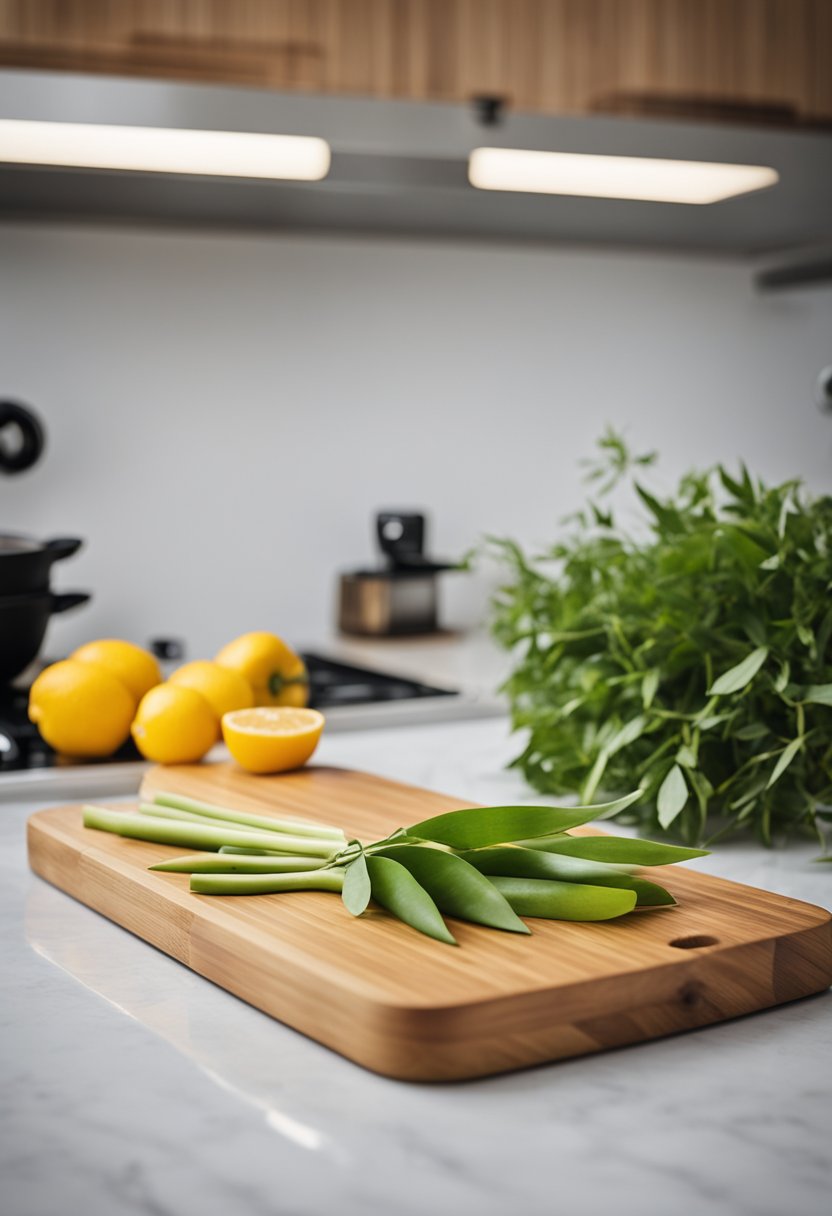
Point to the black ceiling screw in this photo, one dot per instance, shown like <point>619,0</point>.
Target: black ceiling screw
<point>489,111</point>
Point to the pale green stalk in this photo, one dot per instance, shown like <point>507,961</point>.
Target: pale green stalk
<point>197,835</point>
<point>222,863</point>
<point>266,884</point>
<point>168,812</point>
<point>235,848</point>
<point>265,822</point>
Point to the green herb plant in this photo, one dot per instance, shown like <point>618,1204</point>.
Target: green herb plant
<point>690,657</point>
<point>487,865</point>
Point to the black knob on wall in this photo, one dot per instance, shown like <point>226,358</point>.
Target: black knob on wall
<point>22,437</point>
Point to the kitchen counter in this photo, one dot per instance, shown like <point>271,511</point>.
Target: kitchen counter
<point>131,1085</point>
<point>468,659</point>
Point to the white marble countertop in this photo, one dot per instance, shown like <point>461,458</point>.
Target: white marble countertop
<point>468,659</point>
<point>130,1085</point>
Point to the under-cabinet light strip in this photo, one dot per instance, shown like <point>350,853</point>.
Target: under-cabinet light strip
<point>630,177</point>
<point>164,150</point>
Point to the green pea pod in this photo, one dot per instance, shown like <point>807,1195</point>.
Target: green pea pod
<point>564,900</point>
<point>457,888</point>
<point>534,863</point>
<point>478,826</point>
<point>616,849</point>
<point>397,890</point>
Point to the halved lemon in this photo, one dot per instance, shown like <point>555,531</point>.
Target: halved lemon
<point>272,739</point>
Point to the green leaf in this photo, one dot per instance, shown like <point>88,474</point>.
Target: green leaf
<point>673,794</point>
<point>788,508</point>
<point>712,720</point>
<point>667,517</point>
<point>817,694</point>
<point>397,890</point>
<point>754,730</point>
<point>739,546</point>
<point>783,676</point>
<point>748,484</point>
<point>510,861</point>
<point>564,900</point>
<point>602,518</point>
<point>824,634</point>
<point>476,827</point>
<point>628,734</point>
<point>456,887</point>
<point>595,774</point>
<point>738,677</point>
<point>686,757</point>
<point>733,487</point>
<point>771,563</point>
<point>618,850</point>
<point>806,636</point>
<point>649,687</point>
<point>357,889</point>
<point>788,754</point>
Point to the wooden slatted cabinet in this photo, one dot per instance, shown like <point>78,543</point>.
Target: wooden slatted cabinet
<point>766,60</point>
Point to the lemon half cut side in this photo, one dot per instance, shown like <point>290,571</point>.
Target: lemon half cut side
<point>272,739</point>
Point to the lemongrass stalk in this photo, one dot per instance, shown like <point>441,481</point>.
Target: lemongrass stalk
<point>238,849</point>
<point>222,863</point>
<point>266,884</point>
<point>197,835</point>
<point>169,812</point>
<point>267,822</point>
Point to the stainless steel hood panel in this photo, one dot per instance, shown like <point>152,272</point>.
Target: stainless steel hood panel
<point>400,168</point>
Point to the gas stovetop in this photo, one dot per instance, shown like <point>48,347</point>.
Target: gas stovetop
<point>332,686</point>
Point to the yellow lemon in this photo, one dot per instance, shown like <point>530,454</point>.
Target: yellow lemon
<point>271,740</point>
<point>81,709</point>
<point>224,690</point>
<point>276,674</point>
<point>174,725</point>
<point>135,667</point>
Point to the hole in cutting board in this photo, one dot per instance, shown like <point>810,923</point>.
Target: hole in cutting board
<point>694,942</point>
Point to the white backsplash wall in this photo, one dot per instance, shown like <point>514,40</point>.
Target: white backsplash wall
<point>225,412</point>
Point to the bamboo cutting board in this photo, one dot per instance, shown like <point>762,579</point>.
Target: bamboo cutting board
<point>406,1006</point>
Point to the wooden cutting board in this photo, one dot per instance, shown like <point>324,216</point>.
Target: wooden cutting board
<point>406,1006</point>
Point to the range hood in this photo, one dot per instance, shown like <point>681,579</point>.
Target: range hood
<point>401,168</point>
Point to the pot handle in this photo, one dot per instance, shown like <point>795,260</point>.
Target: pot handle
<point>69,599</point>
<point>63,546</point>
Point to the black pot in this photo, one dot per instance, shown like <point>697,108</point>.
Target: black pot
<point>25,563</point>
<point>23,621</point>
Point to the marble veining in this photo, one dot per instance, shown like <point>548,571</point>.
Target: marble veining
<point>131,1085</point>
